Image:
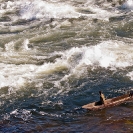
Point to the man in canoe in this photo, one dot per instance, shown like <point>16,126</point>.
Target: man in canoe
<point>102,99</point>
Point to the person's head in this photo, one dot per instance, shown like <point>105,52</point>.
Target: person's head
<point>100,92</point>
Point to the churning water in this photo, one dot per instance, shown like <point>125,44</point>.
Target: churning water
<point>55,56</point>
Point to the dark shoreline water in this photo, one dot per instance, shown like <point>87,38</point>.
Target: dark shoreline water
<point>116,119</point>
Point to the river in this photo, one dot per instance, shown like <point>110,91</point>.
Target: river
<point>55,56</point>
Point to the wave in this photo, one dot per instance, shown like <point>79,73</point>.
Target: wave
<point>30,10</point>
<point>108,54</point>
<point>128,5</point>
<point>42,9</point>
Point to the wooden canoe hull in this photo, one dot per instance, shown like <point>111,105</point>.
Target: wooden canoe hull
<point>108,103</point>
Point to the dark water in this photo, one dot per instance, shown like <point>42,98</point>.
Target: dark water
<point>55,56</point>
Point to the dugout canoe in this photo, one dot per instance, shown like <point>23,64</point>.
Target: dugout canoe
<point>109,102</point>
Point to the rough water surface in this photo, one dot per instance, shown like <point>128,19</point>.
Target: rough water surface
<point>55,56</point>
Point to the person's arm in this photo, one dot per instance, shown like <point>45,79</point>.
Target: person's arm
<point>103,98</point>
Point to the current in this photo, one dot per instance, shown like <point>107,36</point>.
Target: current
<point>55,56</point>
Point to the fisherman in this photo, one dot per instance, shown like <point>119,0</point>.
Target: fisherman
<point>102,98</point>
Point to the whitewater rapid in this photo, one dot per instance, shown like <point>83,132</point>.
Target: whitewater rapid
<point>56,55</point>
<point>107,54</point>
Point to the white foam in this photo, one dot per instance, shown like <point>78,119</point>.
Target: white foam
<point>9,47</point>
<point>39,9</point>
<point>43,9</point>
<point>128,4</point>
<point>108,54</point>
<point>99,12</point>
<point>23,114</point>
<point>9,6</point>
<point>130,74</point>
<point>16,75</point>
<point>25,44</point>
